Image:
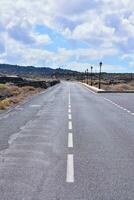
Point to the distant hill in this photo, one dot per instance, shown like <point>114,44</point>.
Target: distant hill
<point>15,70</point>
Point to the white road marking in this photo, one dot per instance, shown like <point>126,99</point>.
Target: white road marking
<point>70,125</point>
<point>118,106</point>
<point>35,106</point>
<point>69,99</point>
<point>109,100</point>
<point>69,106</point>
<point>121,107</point>
<point>70,169</point>
<point>70,158</point>
<point>86,87</point>
<point>128,111</point>
<point>69,116</point>
<point>70,140</point>
<point>22,128</point>
<point>69,110</point>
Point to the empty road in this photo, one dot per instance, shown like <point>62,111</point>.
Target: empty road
<point>68,143</point>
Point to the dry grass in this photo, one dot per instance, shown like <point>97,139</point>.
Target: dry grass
<point>5,103</point>
<point>2,86</point>
<point>116,87</point>
<point>19,94</point>
<point>119,87</point>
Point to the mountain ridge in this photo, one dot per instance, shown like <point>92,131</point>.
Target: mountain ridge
<point>32,70</point>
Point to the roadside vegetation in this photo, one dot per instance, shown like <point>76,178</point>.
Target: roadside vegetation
<point>119,86</point>
<point>112,82</point>
<point>113,87</point>
<point>11,95</point>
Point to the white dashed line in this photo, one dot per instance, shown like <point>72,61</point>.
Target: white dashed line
<point>128,111</point>
<point>69,116</point>
<point>70,125</point>
<point>69,110</point>
<point>121,107</point>
<point>70,157</point>
<point>69,106</point>
<point>118,106</point>
<point>69,100</point>
<point>70,169</point>
<point>70,140</point>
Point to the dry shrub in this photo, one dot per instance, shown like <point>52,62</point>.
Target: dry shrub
<point>3,86</point>
<point>27,89</point>
<point>15,90</point>
<point>121,87</point>
<point>132,84</point>
<point>18,94</point>
<point>15,100</point>
<point>5,103</point>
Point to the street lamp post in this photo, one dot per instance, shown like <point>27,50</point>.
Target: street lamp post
<point>87,76</point>
<point>82,76</point>
<point>100,76</point>
<point>91,76</point>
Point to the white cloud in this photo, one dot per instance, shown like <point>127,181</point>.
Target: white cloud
<point>106,26</point>
<point>42,39</point>
<point>105,67</point>
<point>94,30</point>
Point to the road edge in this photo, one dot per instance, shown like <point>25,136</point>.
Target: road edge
<point>10,109</point>
<point>96,90</point>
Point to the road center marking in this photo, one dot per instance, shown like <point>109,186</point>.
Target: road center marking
<point>69,116</point>
<point>69,100</point>
<point>70,125</point>
<point>70,169</point>
<point>70,140</point>
<point>69,110</point>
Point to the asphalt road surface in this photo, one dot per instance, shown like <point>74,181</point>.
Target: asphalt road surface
<point>68,143</point>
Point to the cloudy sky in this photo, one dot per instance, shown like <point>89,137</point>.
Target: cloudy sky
<point>71,34</point>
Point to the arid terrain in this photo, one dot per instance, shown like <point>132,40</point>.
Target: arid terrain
<point>14,90</point>
<point>10,94</point>
<point>114,82</point>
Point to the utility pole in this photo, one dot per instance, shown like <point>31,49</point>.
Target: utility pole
<point>100,76</point>
<point>91,75</point>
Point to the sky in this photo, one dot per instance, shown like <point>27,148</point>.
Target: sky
<point>72,34</point>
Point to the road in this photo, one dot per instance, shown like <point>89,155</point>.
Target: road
<point>68,143</point>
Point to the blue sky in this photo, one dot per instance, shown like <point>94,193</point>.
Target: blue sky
<point>74,34</point>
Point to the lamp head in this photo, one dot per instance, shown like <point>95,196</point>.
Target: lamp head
<point>100,63</point>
